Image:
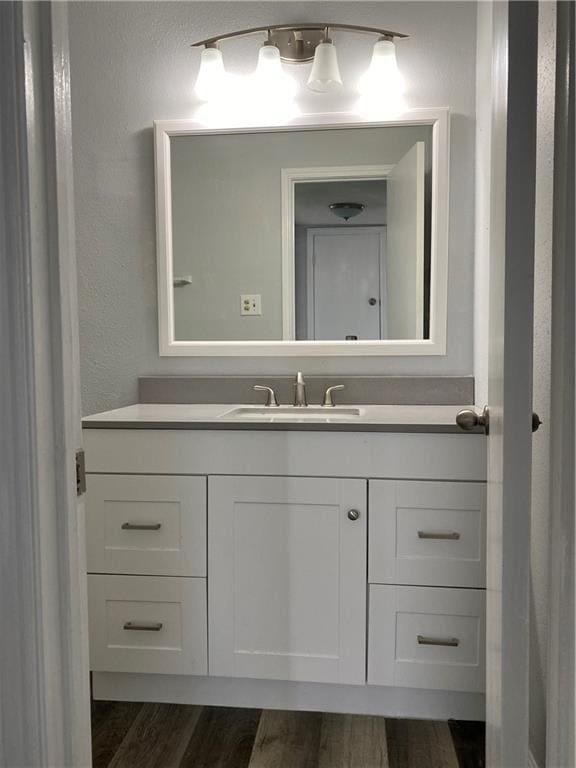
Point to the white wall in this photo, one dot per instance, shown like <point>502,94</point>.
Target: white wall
<point>131,64</point>
<point>482,199</point>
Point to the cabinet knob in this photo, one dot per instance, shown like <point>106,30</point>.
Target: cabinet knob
<point>353,514</point>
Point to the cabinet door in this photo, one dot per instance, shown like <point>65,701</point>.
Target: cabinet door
<point>287,578</point>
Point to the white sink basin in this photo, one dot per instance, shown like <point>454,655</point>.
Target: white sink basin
<point>292,413</point>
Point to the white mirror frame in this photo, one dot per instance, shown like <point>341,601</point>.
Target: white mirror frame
<point>435,345</point>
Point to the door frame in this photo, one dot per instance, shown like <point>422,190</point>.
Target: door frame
<point>513,28</point>
<point>310,233</point>
<point>44,663</point>
<point>289,178</point>
<point>560,737</point>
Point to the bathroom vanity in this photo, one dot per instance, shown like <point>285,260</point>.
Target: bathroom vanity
<point>332,559</point>
<point>323,557</point>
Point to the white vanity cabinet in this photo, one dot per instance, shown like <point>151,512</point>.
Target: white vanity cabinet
<point>287,578</point>
<point>341,571</point>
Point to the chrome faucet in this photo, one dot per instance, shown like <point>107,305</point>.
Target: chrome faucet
<point>300,391</point>
<point>329,398</point>
<point>271,400</point>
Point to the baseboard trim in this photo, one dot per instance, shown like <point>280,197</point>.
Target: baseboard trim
<point>274,694</point>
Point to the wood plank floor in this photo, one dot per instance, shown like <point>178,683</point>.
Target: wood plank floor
<point>130,735</point>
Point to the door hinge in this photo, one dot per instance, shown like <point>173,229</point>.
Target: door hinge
<point>80,473</point>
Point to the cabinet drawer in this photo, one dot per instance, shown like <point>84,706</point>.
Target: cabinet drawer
<point>148,624</point>
<point>146,525</point>
<point>427,533</point>
<point>422,637</point>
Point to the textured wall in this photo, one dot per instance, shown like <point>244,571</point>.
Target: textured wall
<point>131,64</point>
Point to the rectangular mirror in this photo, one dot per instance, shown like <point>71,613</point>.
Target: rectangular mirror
<point>307,240</point>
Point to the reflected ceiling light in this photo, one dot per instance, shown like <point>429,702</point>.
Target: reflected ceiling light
<point>212,78</point>
<point>325,74</point>
<point>346,210</point>
<point>382,78</point>
<point>297,44</point>
<point>270,79</point>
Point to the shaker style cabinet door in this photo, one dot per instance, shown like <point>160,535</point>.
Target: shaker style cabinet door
<point>287,578</point>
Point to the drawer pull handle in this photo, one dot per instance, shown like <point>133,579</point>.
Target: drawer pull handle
<point>452,642</point>
<point>151,626</point>
<point>141,526</point>
<point>449,536</point>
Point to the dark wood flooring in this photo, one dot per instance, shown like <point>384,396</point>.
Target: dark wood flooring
<point>129,735</point>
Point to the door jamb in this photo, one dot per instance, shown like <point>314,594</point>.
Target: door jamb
<point>44,663</point>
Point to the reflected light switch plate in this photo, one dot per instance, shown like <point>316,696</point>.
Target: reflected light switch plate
<point>251,304</point>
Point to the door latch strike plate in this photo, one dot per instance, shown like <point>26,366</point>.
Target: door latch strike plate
<point>80,473</point>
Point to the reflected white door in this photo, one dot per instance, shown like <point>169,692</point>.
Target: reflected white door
<point>512,184</point>
<point>345,283</point>
<point>405,245</point>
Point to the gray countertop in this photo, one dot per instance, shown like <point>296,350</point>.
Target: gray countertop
<point>372,418</point>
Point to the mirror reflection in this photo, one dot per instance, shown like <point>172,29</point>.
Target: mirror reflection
<point>306,235</point>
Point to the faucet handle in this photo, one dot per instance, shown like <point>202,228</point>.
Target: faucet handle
<point>271,401</point>
<point>328,399</point>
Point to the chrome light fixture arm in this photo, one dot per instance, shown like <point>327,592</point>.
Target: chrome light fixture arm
<point>297,42</point>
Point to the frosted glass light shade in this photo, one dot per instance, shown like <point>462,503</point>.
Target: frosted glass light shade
<point>212,80</point>
<point>270,79</point>
<point>382,78</point>
<point>325,74</point>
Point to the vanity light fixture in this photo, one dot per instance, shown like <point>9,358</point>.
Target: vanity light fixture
<point>300,44</point>
<point>347,210</point>
<point>325,74</point>
<point>270,78</point>
<point>212,78</point>
<point>383,72</point>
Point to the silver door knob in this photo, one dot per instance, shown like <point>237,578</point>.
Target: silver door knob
<point>353,514</point>
<point>468,419</point>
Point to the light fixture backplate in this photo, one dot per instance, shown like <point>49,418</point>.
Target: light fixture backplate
<point>296,45</point>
